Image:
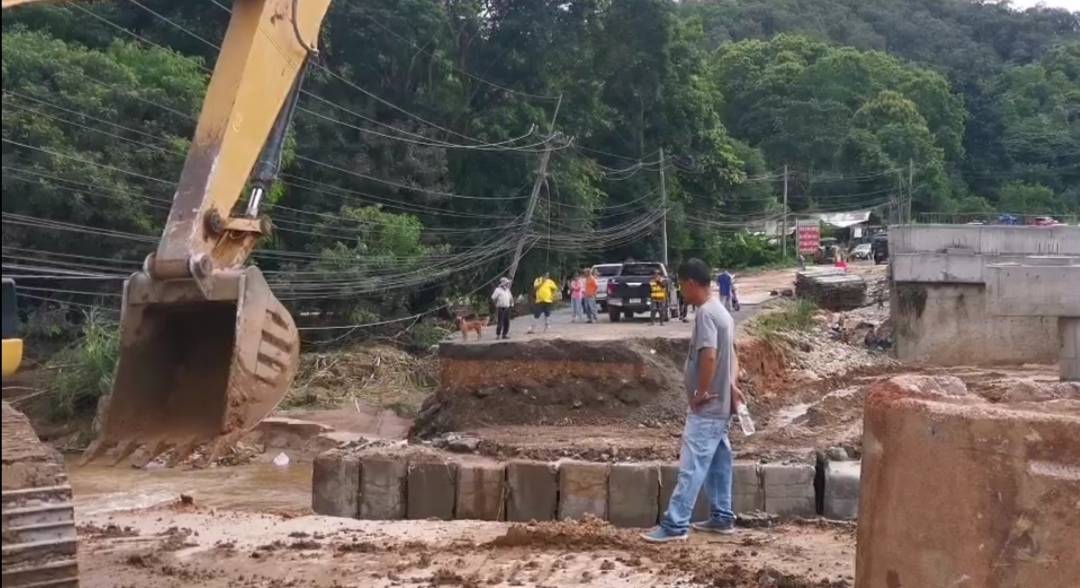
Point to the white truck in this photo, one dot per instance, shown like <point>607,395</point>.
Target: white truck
<point>604,273</point>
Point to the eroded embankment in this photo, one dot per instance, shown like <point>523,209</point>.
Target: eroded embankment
<point>563,382</point>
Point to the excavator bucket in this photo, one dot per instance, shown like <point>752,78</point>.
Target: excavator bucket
<point>197,366</point>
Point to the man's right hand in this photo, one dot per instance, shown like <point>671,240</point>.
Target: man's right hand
<point>700,399</point>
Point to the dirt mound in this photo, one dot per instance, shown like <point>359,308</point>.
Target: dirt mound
<point>591,533</point>
<point>556,382</point>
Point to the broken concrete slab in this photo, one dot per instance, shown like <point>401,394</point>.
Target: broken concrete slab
<point>633,490</point>
<point>532,491</point>
<point>288,433</point>
<point>789,489</point>
<point>583,489</point>
<point>431,490</point>
<point>841,490</point>
<point>480,491</point>
<point>335,485</point>
<point>382,487</point>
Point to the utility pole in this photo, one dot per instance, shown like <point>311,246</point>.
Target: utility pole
<point>541,175</point>
<point>663,200</point>
<point>783,223</point>
<point>910,186</point>
<point>541,179</point>
<point>896,203</point>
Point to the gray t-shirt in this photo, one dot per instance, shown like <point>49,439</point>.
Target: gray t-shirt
<point>713,328</point>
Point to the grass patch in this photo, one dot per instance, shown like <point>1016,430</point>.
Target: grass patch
<point>792,316</point>
<point>85,369</point>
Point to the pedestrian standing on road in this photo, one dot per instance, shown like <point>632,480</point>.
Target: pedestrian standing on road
<point>504,301</point>
<point>658,296</point>
<point>591,287</point>
<point>705,457</point>
<point>577,298</point>
<point>544,290</point>
<point>725,285</point>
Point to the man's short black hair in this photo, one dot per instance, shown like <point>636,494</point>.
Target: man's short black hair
<point>696,271</point>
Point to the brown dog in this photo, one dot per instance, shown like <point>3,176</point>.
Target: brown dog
<point>470,324</point>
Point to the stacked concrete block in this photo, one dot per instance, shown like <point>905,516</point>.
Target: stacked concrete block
<point>633,490</point>
<point>841,489</point>
<point>431,489</point>
<point>335,485</point>
<point>789,489</point>
<point>480,491</point>
<point>532,491</point>
<point>748,492</point>
<point>583,489</point>
<point>382,487</point>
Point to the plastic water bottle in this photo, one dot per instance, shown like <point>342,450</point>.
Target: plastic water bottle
<point>745,422</point>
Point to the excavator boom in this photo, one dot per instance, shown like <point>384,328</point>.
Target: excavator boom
<point>207,351</point>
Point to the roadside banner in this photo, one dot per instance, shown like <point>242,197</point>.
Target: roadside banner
<point>809,236</point>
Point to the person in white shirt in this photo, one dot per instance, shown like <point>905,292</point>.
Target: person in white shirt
<point>503,300</point>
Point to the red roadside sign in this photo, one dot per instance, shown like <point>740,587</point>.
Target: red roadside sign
<point>809,238</point>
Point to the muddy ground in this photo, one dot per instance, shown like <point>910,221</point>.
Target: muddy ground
<point>179,545</point>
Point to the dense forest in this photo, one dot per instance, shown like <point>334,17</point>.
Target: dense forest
<point>422,122</point>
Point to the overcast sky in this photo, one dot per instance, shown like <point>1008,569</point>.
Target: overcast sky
<point>1070,4</point>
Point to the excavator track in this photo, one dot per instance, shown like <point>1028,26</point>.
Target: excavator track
<point>39,540</point>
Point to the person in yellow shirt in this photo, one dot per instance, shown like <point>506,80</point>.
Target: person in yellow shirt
<point>658,298</point>
<point>544,289</point>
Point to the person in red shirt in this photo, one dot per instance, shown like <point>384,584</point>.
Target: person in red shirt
<point>591,286</point>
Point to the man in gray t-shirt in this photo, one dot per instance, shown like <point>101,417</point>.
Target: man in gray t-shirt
<point>705,457</point>
<point>713,329</point>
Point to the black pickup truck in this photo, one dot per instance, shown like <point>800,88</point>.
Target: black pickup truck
<point>628,292</point>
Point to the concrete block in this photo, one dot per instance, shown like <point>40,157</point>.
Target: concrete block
<point>842,489</point>
<point>431,490</point>
<point>532,491</point>
<point>382,487</point>
<point>633,490</point>
<point>993,489</point>
<point>789,489</point>
<point>481,491</point>
<point>583,489</point>
<point>748,492</point>
<point>335,485</point>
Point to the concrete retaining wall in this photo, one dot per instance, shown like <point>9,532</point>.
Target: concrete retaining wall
<point>626,494</point>
<point>950,324</point>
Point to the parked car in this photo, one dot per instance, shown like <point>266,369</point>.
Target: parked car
<point>604,273</point>
<point>628,293</point>
<point>1045,221</point>
<point>862,251</point>
<point>880,248</point>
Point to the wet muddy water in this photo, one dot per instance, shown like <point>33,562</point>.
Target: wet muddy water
<point>254,487</point>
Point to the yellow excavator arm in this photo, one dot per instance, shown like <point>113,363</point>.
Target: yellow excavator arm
<point>207,351</point>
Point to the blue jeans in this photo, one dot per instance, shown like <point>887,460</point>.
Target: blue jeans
<point>705,459</point>
<point>590,309</point>
<point>578,306</point>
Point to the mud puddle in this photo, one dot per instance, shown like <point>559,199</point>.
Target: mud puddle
<point>253,487</point>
